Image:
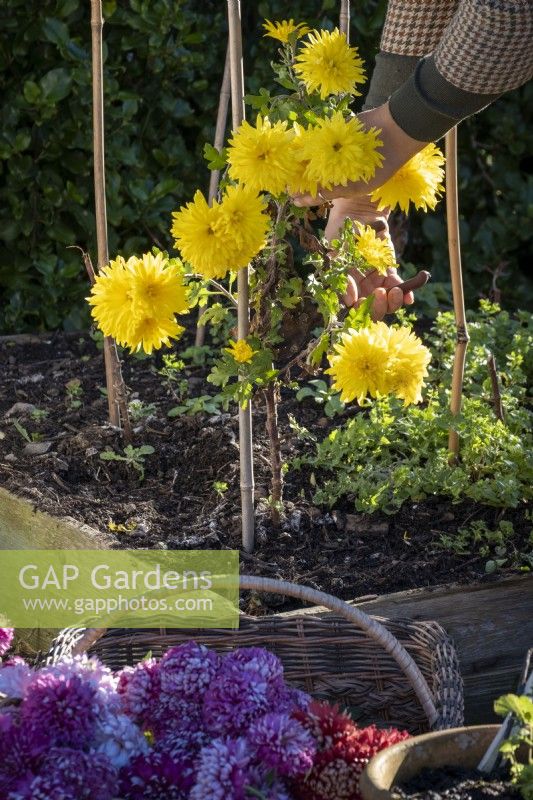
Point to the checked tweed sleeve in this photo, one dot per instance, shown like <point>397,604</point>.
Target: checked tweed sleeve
<point>412,29</point>
<point>444,61</point>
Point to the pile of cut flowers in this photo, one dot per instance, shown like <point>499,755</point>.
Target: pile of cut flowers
<point>192,725</point>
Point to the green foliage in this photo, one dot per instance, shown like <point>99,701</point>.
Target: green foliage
<point>497,545</point>
<point>74,394</point>
<point>521,707</point>
<point>392,454</point>
<point>496,205</point>
<point>133,457</point>
<point>238,380</point>
<point>204,404</point>
<point>160,100</point>
<point>19,427</point>
<point>139,411</point>
<point>163,66</point>
<point>323,395</point>
<point>39,414</point>
<point>220,487</point>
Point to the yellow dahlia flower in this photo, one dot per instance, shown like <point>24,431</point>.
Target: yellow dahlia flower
<point>299,181</point>
<point>282,30</point>
<point>376,252</point>
<point>156,286</point>
<point>111,299</point>
<point>358,365</point>
<point>151,333</point>
<point>419,182</point>
<point>408,363</point>
<point>243,221</point>
<point>339,150</point>
<point>261,156</point>
<point>201,238</point>
<point>240,350</point>
<point>327,64</point>
<point>135,301</point>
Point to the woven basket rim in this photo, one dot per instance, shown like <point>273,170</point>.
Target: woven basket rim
<point>372,626</point>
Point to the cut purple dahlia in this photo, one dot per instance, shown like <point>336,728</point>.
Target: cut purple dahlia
<point>282,744</point>
<point>187,671</point>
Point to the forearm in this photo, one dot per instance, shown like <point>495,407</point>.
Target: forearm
<point>442,61</point>
<point>484,51</point>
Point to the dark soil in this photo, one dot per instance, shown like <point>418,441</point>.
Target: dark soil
<point>176,506</point>
<point>451,783</point>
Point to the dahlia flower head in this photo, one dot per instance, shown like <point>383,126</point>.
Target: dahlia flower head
<point>379,360</point>
<point>136,301</point>
<point>191,725</point>
<point>6,639</point>
<point>343,751</point>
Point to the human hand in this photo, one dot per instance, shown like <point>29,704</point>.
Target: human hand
<point>387,298</point>
<point>398,147</point>
<point>359,209</point>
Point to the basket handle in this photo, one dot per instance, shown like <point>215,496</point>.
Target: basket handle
<point>375,630</point>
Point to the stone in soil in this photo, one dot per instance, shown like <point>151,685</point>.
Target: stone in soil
<point>453,783</point>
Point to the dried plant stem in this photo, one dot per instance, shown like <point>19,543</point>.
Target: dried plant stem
<point>271,401</point>
<point>243,311</point>
<point>116,388</point>
<point>454,249</point>
<point>344,21</point>
<point>220,131</point>
<point>495,383</point>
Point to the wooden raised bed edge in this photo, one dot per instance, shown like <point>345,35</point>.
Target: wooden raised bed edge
<point>491,625</point>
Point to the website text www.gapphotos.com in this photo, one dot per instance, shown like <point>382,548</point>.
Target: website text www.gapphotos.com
<point>62,588</point>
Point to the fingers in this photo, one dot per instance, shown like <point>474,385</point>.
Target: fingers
<point>305,200</point>
<point>386,301</point>
<point>351,295</point>
<point>358,209</point>
<point>394,300</point>
<point>352,189</point>
<point>380,306</point>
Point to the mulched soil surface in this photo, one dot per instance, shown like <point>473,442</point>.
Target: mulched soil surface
<point>450,783</point>
<point>176,507</point>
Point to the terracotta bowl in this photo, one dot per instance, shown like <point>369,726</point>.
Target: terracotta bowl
<point>462,747</point>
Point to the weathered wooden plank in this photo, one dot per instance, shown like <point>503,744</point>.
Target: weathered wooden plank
<point>491,624</point>
<point>22,527</point>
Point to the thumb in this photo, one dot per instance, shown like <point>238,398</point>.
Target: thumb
<point>351,296</point>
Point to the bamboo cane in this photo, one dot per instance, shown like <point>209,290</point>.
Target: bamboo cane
<point>275,452</point>
<point>116,389</point>
<point>344,22</point>
<point>220,130</point>
<point>454,249</point>
<point>243,311</point>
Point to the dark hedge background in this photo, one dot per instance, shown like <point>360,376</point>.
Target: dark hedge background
<point>164,62</point>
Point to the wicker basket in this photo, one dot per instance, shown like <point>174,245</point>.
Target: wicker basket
<point>398,672</point>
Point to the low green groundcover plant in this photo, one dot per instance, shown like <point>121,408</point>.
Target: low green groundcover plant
<point>389,453</point>
<point>521,707</point>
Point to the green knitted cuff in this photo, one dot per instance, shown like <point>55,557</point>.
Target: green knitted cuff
<point>390,72</point>
<point>427,106</point>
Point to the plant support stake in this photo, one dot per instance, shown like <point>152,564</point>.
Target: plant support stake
<point>220,130</point>
<point>116,390</point>
<point>344,21</point>
<point>454,250</point>
<point>243,311</point>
